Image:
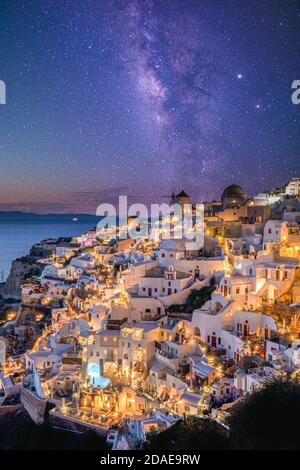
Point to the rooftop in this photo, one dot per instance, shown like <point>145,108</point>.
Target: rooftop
<point>158,272</point>
<point>191,399</point>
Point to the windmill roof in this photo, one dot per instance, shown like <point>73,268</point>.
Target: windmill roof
<point>182,194</point>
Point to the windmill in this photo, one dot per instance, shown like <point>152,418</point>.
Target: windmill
<point>171,196</point>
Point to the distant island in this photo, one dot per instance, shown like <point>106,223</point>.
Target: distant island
<point>29,217</point>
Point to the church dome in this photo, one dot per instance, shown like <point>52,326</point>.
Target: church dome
<point>233,196</point>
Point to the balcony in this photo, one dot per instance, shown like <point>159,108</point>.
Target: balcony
<point>167,354</point>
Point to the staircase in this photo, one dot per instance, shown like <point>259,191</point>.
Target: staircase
<point>202,405</point>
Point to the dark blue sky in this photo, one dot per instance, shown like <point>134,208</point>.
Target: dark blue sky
<point>137,97</point>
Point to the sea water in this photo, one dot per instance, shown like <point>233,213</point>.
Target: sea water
<point>16,239</point>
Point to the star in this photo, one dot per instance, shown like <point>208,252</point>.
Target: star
<point>165,92</point>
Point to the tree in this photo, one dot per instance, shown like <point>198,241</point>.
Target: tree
<point>174,308</point>
<point>197,298</point>
<point>267,419</point>
<point>191,434</point>
<point>92,441</point>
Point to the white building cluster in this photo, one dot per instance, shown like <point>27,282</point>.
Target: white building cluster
<point>142,333</point>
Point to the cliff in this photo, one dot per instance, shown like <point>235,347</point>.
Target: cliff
<point>21,269</point>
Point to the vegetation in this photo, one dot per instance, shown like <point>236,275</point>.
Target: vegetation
<point>190,434</point>
<point>90,440</point>
<point>176,308</point>
<point>265,420</point>
<point>30,280</point>
<point>196,299</point>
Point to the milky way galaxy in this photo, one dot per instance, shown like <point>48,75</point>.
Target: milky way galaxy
<point>139,97</point>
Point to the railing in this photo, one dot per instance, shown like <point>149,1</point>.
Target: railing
<point>167,354</point>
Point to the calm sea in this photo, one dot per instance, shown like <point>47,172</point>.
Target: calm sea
<point>16,239</point>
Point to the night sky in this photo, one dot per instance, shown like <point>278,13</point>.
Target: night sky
<point>139,97</point>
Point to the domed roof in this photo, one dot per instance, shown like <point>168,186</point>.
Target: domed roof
<point>182,194</point>
<point>233,196</point>
<point>234,191</point>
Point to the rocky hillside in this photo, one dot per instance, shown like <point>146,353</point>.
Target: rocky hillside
<point>18,432</point>
<point>22,269</point>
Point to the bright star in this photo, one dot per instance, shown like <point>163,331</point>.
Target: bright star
<point>239,75</point>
